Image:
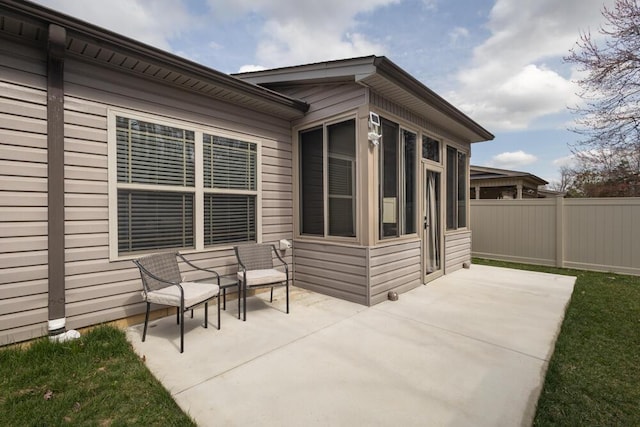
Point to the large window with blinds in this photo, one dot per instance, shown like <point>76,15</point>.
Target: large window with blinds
<point>327,167</point>
<point>173,182</point>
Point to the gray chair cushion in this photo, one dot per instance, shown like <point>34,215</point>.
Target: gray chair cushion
<point>263,277</point>
<point>194,293</point>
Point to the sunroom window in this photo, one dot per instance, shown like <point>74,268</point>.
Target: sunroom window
<point>398,159</point>
<point>457,179</point>
<point>327,159</point>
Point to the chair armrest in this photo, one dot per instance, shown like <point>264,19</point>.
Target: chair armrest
<point>153,276</point>
<point>241,266</point>
<point>286,267</point>
<point>217,276</point>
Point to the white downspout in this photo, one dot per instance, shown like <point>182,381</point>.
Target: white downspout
<point>58,332</point>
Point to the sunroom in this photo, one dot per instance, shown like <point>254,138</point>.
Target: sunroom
<point>381,178</point>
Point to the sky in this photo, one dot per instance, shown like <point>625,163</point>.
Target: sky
<point>499,61</point>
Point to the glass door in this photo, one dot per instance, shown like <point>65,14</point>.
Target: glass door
<point>432,223</point>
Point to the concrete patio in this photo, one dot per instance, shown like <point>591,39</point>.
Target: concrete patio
<point>471,348</point>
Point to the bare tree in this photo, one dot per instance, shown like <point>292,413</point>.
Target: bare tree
<point>566,180</point>
<point>609,119</point>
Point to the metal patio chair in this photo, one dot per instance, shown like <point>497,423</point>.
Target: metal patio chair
<point>162,284</point>
<point>256,270</point>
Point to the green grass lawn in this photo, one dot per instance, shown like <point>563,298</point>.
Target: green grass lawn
<point>95,380</point>
<point>593,378</point>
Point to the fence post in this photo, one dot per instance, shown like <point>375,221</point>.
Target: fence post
<point>560,232</point>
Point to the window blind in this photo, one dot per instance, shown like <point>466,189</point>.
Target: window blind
<point>229,163</point>
<point>229,218</point>
<point>149,153</point>
<point>341,190</point>
<point>154,220</point>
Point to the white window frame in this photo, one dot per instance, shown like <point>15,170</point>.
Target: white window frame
<point>199,190</point>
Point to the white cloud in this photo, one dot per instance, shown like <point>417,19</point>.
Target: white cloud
<point>151,22</point>
<point>568,161</point>
<point>458,33</point>
<point>295,32</point>
<point>250,67</point>
<point>430,4</point>
<point>510,160</point>
<point>510,81</point>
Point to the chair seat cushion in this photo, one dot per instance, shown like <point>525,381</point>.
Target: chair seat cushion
<point>263,277</point>
<point>194,293</point>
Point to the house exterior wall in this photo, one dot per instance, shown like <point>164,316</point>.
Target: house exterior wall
<point>333,269</point>
<point>394,267</point>
<point>23,194</point>
<point>357,273</point>
<point>326,100</point>
<point>99,289</point>
<point>457,250</point>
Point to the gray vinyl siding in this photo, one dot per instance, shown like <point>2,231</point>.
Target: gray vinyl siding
<point>355,273</point>
<point>98,290</point>
<point>326,100</point>
<point>394,267</point>
<point>457,251</point>
<point>336,270</point>
<point>23,197</point>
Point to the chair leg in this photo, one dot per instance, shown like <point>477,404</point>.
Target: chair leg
<point>206,315</point>
<point>181,327</point>
<point>224,298</point>
<point>218,304</point>
<point>178,315</point>
<point>244,302</point>
<point>287,297</point>
<point>146,320</point>
<point>192,313</point>
<point>238,300</point>
<point>271,298</point>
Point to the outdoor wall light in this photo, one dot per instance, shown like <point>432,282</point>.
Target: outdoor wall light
<point>374,128</point>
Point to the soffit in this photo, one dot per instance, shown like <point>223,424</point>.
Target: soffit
<point>410,101</point>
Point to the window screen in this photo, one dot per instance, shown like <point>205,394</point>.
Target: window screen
<point>312,182</point>
<point>342,159</point>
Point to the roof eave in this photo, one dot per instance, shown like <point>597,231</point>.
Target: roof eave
<point>393,73</point>
<point>122,43</point>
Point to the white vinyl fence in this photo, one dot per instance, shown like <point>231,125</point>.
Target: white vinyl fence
<point>590,234</point>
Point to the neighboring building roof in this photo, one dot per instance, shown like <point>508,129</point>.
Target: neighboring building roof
<point>25,20</point>
<point>483,172</point>
<point>386,79</point>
